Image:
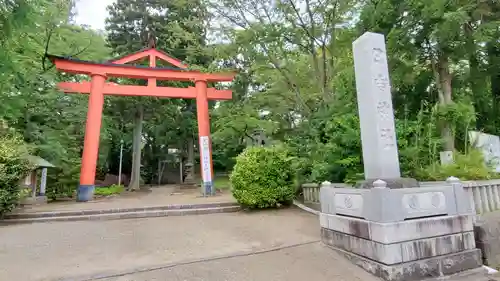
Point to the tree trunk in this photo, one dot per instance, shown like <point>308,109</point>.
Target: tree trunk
<point>493,57</point>
<point>445,91</point>
<point>476,80</point>
<point>190,149</point>
<point>494,73</point>
<point>135,175</point>
<point>190,175</point>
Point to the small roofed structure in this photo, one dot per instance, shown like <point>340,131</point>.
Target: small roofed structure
<point>31,180</point>
<point>39,162</point>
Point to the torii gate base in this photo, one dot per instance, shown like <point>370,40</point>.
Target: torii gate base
<point>98,87</point>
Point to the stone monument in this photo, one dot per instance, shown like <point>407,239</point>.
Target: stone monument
<point>397,234</point>
<point>446,157</point>
<point>376,115</point>
<point>189,175</point>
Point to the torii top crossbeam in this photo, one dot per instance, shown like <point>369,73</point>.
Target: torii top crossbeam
<point>132,71</point>
<point>98,87</point>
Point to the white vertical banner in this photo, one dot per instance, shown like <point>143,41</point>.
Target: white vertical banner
<point>43,182</point>
<point>205,159</point>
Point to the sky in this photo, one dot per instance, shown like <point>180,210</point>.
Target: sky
<point>92,12</point>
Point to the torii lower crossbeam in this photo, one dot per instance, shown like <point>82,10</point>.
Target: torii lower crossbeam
<point>150,91</point>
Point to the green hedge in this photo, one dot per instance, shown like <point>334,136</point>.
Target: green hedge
<point>14,166</point>
<point>263,177</point>
<point>109,190</point>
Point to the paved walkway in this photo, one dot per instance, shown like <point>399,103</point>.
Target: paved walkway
<point>159,196</point>
<point>312,262</point>
<point>85,250</point>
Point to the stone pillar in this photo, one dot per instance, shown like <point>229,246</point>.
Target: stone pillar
<point>446,157</point>
<point>376,115</point>
<point>188,171</point>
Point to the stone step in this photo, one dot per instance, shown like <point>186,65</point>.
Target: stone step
<point>125,215</point>
<point>32,215</point>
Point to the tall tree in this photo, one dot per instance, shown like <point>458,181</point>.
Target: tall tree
<point>177,27</point>
<point>47,119</point>
<point>290,56</point>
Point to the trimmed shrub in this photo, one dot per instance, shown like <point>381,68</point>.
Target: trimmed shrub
<point>14,166</point>
<point>263,177</point>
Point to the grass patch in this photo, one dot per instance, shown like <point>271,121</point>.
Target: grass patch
<point>222,183</point>
<point>109,190</point>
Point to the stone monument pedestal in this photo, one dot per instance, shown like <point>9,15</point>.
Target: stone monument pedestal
<point>395,183</point>
<point>401,234</point>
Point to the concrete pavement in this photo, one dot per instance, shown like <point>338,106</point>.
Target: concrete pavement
<point>87,250</point>
<point>311,262</point>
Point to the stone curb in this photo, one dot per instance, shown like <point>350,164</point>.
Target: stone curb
<point>305,208</point>
<point>126,215</point>
<point>116,210</point>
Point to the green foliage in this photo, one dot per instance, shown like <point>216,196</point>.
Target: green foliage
<point>233,125</point>
<point>61,188</point>
<point>176,24</point>
<point>178,27</point>
<point>48,120</point>
<point>14,166</point>
<point>470,166</point>
<point>222,183</point>
<point>263,177</point>
<point>331,149</point>
<point>109,190</point>
<point>295,80</point>
<point>25,193</point>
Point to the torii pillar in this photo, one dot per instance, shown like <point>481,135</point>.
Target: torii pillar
<point>205,143</point>
<point>92,135</point>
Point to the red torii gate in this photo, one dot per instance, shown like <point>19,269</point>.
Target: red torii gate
<point>98,87</point>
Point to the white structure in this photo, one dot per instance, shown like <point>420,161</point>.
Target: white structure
<point>489,145</point>
<point>378,135</point>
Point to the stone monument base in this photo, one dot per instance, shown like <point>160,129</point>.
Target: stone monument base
<point>417,270</point>
<point>479,274</point>
<point>408,250</point>
<point>391,183</point>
